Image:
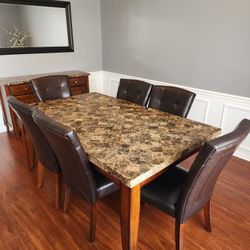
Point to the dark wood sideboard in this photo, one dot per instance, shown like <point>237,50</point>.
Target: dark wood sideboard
<point>20,88</point>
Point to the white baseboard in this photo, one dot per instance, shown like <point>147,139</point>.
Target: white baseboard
<point>214,108</point>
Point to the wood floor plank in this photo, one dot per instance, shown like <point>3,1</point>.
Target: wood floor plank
<point>28,219</point>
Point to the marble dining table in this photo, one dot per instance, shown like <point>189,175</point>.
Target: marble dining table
<point>128,143</point>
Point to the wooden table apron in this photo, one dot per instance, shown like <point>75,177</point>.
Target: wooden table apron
<point>130,144</point>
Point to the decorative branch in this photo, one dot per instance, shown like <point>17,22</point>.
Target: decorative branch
<point>18,38</point>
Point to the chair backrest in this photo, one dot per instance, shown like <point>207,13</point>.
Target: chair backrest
<point>51,87</point>
<point>76,169</point>
<point>134,91</point>
<point>205,170</point>
<point>173,100</point>
<point>44,152</point>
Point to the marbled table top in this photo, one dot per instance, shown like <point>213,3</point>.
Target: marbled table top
<point>127,140</point>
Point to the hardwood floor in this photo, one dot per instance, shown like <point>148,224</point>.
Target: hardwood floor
<point>29,220</point>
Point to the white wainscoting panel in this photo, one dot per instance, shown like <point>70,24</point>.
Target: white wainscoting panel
<point>232,113</point>
<point>199,110</point>
<point>214,108</point>
<point>96,82</point>
<point>113,87</point>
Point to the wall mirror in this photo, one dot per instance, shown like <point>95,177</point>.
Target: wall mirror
<point>34,26</point>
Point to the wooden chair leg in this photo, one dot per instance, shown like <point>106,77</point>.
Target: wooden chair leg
<point>92,222</point>
<point>24,139</point>
<point>31,152</point>
<point>40,174</point>
<point>66,198</point>
<point>179,230</point>
<point>29,148</point>
<point>207,209</point>
<point>58,189</point>
<point>15,124</point>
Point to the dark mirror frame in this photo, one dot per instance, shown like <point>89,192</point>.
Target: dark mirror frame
<point>47,3</point>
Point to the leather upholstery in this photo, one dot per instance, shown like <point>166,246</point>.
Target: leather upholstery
<point>51,87</point>
<point>78,174</point>
<point>44,152</point>
<point>173,100</point>
<point>163,192</point>
<point>134,91</point>
<point>103,185</point>
<point>181,194</point>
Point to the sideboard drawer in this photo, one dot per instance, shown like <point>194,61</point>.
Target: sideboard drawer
<point>77,81</point>
<point>27,98</point>
<point>78,90</point>
<point>20,89</point>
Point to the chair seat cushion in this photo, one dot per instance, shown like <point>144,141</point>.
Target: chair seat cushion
<point>164,191</point>
<point>104,186</point>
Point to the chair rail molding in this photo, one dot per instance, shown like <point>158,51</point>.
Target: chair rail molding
<point>214,108</point>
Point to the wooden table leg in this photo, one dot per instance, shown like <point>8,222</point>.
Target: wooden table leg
<point>14,120</point>
<point>130,213</point>
<point>30,151</point>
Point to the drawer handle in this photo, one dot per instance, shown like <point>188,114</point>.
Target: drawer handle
<point>76,82</point>
<point>26,88</point>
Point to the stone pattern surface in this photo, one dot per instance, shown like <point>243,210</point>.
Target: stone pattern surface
<point>127,140</point>
<point>21,79</point>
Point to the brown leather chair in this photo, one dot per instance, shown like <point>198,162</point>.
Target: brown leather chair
<point>43,151</point>
<point>51,87</point>
<point>182,193</point>
<point>134,91</point>
<point>173,100</point>
<point>79,174</point>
